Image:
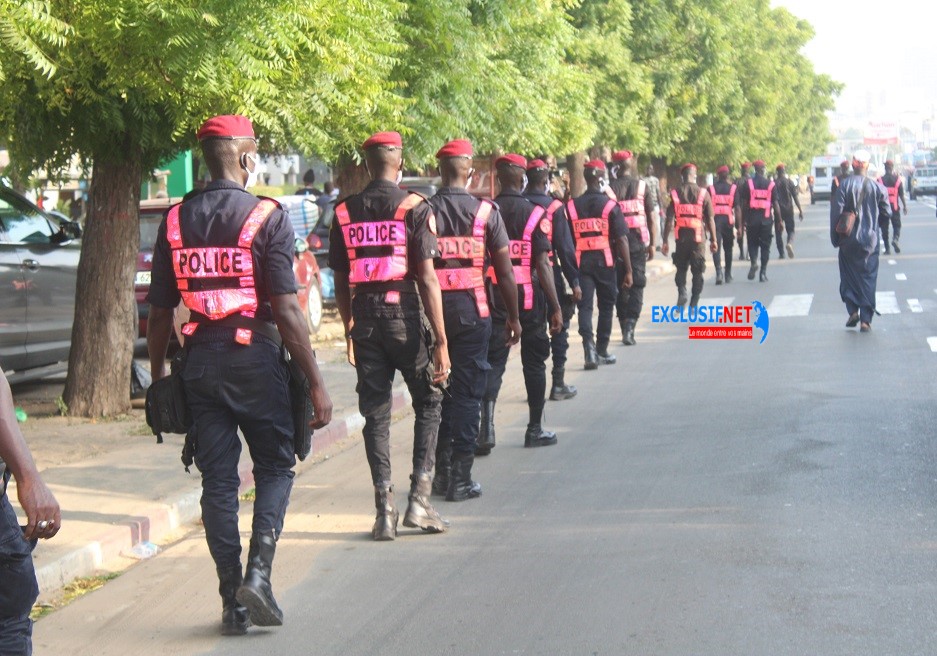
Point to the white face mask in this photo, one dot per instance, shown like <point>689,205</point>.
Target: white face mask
<point>251,175</point>
<point>524,185</point>
<point>468,180</point>
<point>399,177</point>
<point>603,184</point>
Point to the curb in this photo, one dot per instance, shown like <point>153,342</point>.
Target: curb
<point>156,522</point>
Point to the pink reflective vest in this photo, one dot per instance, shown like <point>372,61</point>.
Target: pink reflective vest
<point>760,199</point>
<point>892,192</point>
<point>386,241</point>
<point>521,252</point>
<point>591,233</point>
<point>689,215</point>
<point>470,249</point>
<point>635,214</point>
<point>224,274</point>
<point>724,204</point>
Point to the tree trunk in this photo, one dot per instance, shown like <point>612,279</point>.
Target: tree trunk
<point>350,177</point>
<point>98,382</point>
<point>574,166</point>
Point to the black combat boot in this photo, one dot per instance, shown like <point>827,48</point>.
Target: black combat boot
<point>537,436</point>
<point>461,485</point>
<point>681,296</point>
<point>719,278</point>
<point>602,354</point>
<point>486,430</point>
<point>895,244</point>
<point>591,357</point>
<point>763,276</point>
<point>628,332</point>
<point>443,466</point>
<point>256,593</point>
<point>753,270</point>
<point>420,513</point>
<point>560,391</point>
<point>235,619</point>
<point>385,523</point>
<point>694,300</point>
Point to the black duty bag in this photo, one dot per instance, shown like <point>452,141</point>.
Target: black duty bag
<point>303,411</point>
<point>166,409</point>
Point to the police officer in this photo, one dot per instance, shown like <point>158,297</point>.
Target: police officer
<point>470,231</point>
<point>722,193</point>
<point>742,181</point>
<point>529,229</point>
<point>229,256</point>
<point>756,199</point>
<point>18,586</point>
<point>892,183</point>
<point>382,243</point>
<point>690,211</point>
<point>636,201</point>
<point>599,230</point>
<point>565,271</point>
<point>785,199</point>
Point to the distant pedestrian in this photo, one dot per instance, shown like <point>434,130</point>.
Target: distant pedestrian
<point>18,586</point>
<point>892,183</point>
<point>328,196</point>
<point>653,191</point>
<point>742,181</point>
<point>858,245</point>
<point>309,184</point>
<point>786,197</point>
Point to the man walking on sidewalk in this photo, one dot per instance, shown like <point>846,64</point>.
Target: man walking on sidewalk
<point>529,230</point>
<point>471,231</point>
<point>600,235</point>
<point>235,375</point>
<point>18,586</point>
<point>382,243</point>
<point>564,269</point>
<point>637,206</point>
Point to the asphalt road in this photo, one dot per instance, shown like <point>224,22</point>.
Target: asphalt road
<point>705,497</point>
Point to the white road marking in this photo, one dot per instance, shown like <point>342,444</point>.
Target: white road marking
<point>892,262</point>
<point>718,300</point>
<point>790,305</point>
<point>900,276</point>
<point>915,305</point>
<point>886,303</point>
<point>932,342</point>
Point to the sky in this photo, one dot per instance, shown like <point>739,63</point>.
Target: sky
<point>896,78</point>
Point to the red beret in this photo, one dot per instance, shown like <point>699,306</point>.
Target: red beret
<point>456,148</point>
<point>759,164</point>
<point>226,127</point>
<point>722,169</point>
<point>387,139</point>
<point>889,162</point>
<point>621,155</point>
<point>686,166</point>
<point>779,167</point>
<point>536,164</point>
<point>595,164</point>
<point>746,165</point>
<point>512,159</point>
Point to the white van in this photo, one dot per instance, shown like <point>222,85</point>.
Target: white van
<point>824,169</point>
<point>924,180</point>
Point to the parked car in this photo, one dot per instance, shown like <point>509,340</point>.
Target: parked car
<point>305,268</point>
<point>38,269</point>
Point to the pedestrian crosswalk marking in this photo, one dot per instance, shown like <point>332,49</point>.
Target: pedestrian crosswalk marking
<point>719,300</point>
<point>887,303</point>
<point>915,305</point>
<point>892,262</point>
<point>932,342</point>
<point>901,276</point>
<point>790,305</point>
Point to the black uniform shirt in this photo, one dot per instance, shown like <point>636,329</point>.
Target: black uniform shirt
<point>889,180</point>
<point>689,192</point>
<point>785,191</point>
<point>455,210</point>
<point>515,211</point>
<point>741,182</point>
<point>215,218</point>
<point>562,238</point>
<point>752,215</point>
<point>591,204</point>
<point>626,188</point>
<point>379,202</point>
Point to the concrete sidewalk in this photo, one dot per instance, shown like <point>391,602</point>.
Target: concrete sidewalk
<point>131,490</point>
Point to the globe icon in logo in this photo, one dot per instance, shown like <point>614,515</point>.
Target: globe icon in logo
<point>762,321</point>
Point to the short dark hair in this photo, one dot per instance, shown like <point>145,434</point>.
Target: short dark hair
<point>309,177</point>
